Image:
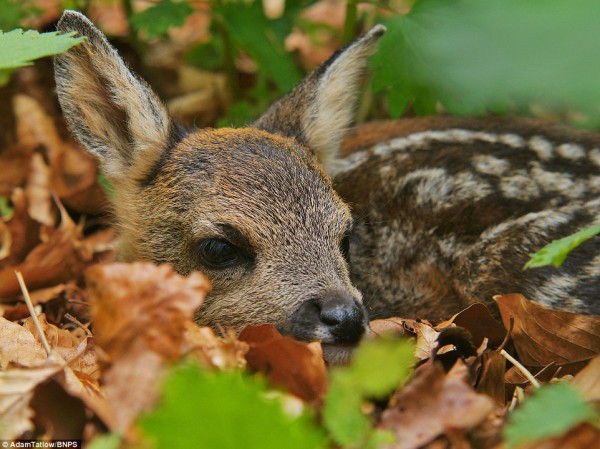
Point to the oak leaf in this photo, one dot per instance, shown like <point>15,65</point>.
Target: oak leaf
<point>297,366</point>
<point>542,336</point>
<point>433,402</point>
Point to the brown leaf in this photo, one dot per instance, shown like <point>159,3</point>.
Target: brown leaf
<point>491,380</point>
<point>23,229</point>
<point>140,312</point>
<point>386,326</point>
<point>39,192</point>
<point>426,337</point>
<point>16,391</point>
<point>542,335</point>
<point>588,380</point>
<point>221,353</point>
<point>433,402</point>
<point>142,302</point>
<point>299,367</point>
<point>478,320</point>
<point>57,259</point>
<point>18,346</point>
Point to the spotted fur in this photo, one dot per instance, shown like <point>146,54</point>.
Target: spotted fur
<point>448,211</point>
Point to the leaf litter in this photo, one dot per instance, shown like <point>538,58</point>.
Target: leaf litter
<point>127,362</point>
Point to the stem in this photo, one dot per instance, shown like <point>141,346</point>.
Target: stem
<point>34,317</point>
<point>521,368</point>
<point>350,21</point>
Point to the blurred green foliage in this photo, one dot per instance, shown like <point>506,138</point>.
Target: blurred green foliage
<point>550,411</point>
<point>158,18</point>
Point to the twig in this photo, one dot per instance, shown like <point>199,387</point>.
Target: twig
<point>521,368</point>
<point>507,336</point>
<point>78,323</point>
<point>32,311</point>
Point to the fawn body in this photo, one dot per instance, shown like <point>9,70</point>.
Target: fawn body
<point>445,210</point>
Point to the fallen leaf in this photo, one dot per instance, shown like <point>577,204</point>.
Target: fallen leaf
<point>142,302</point>
<point>23,230</point>
<point>542,336</point>
<point>222,353</point>
<point>140,313</point>
<point>491,380</point>
<point>16,391</point>
<point>297,366</point>
<point>480,323</point>
<point>57,259</point>
<point>426,337</point>
<point>39,192</point>
<point>433,402</point>
<point>19,347</point>
<point>587,381</point>
<point>386,326</point>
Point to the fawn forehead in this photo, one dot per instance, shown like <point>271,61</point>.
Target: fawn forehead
<point>262,184</point>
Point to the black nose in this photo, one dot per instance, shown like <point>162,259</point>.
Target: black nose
<point>343,317</point>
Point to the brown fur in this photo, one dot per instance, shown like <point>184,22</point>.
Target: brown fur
<point>445,210</point>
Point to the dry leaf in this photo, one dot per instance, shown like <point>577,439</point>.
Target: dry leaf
<point>480,323</point>
<point>39,192</point>
<point>491,380</point>
<point>140,312</point>
<point>55,260</point>
<point>222,353</point>
<point>426,337</point>
<point>386,326</point>
<point>433,402</point>
<point>16,391</point>
<point>587,380</point>
<point>18,346</point>
<point>142,301</point>
<point>23,229</point>
<point>542,336</point>
<point>297,366</point>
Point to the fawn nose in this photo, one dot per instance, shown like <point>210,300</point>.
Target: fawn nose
<point>344,318</point>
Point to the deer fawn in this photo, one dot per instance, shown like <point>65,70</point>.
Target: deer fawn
<point>444,210</point>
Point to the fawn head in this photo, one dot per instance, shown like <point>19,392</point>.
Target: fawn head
<point>252,208</point>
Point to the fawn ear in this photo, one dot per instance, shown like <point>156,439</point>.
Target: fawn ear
<point>114,114</point>
<point>319,111</point>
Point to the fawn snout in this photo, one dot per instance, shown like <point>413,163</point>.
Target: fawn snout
<point>335,317</point>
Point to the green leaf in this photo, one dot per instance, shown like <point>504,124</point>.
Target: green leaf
<point>157,19</point>
<point>490,53</point>
<point>5,210</point>
<point>18,48</point>
<point>224,410</point>
<point>108,441</point>
<point>556,252</point>
<point>379,366</point>
<point>263,39</point>
<point>342,414</point>
<point>13,12</point>
<point>550,411</point>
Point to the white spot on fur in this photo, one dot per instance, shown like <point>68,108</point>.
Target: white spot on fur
<point>542,147</point>
<point>434,188</point>
<point>594,156</point>
<point>570,151</point>
<point>490,165</point>
<point>519,186</point>
<point>511,140</point>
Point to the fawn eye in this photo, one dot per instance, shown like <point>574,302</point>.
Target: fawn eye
<point>218,254</point>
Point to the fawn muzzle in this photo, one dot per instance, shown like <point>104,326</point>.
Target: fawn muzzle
<point>334,318</point>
